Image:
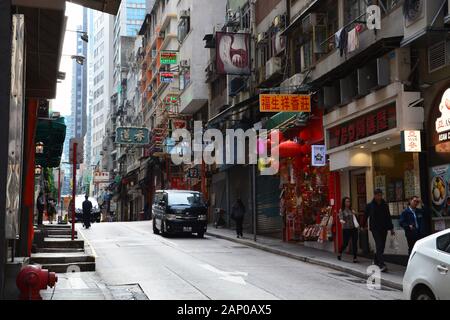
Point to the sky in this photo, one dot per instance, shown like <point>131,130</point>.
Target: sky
<point>74,14</point>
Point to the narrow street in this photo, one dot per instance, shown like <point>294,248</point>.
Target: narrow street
<point>190,268</point>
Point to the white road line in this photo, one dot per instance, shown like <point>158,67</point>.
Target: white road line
<point>89,244</point>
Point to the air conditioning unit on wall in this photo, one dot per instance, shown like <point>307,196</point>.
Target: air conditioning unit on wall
<point>273,67</point>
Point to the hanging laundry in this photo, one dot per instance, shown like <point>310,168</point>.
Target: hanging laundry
<point>353,41</point>
<point>337,38</point>
<point>343,38</point>
<point>359,28</point>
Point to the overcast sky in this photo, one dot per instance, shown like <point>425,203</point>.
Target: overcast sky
<point>62,102</point>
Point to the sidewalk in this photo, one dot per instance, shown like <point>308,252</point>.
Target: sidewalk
<point>87,286</point>
<point>392,279</point>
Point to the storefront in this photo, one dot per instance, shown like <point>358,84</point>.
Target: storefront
<point>364,143</point>
<point>305,186</point>
<point>439,159</point>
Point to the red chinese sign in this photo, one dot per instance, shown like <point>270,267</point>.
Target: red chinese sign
<point>362,127</point>
<point>284,103</point>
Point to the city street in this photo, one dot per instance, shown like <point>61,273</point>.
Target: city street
<point>190,268</point>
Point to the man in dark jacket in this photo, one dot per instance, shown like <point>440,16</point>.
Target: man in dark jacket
<point>409,221</point>
<point>40,206</point>
<point>237,214</point>
<point>380,223</point>
<point>87,210</point>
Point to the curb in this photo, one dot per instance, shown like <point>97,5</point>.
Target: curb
<point>356,273</point>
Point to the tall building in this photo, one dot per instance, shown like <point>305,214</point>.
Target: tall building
<point>79,85</point>
<point>101,37</point>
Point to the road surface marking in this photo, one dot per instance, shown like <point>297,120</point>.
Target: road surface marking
<point>231,276</point>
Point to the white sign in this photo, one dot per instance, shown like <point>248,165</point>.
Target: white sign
<point>412,141</point>
<point>318,156</point>
<point>101,177</point>
<point>443,123</point>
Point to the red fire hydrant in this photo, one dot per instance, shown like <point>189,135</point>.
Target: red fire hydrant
<point>32,279</point>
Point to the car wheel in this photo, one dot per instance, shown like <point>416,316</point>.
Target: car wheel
<point>201,235</point>
<point>423,293</point>
<point>155,230</point>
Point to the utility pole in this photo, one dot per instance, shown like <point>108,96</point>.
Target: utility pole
<point>74,186</point>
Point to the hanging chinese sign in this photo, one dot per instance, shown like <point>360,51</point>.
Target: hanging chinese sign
<point>167,77</point>
<point>411,141</point>
<point>233,53</point>
<point>169,57</point>
<point>132,135</point>
<point>284,103</point>
<point>362,127</point>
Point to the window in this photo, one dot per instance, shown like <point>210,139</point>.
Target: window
<point>183,28</point>
<point>354,9</point>
<point>443,243</point>
<point>132,30</point>
<point>186,199</point>
<point>135,14</point>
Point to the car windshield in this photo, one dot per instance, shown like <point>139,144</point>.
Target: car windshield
<point>186,199</point>
<point>79,202</point>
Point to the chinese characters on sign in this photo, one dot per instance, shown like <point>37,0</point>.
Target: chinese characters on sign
<point>130,135</point>
<point>167,77</point>
<point>318,156</point>
<point>284,103</point>
<point>411,141</point>
<point>169,57</point>
<point>362,127</point>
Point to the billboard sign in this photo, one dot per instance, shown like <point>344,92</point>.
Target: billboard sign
<point>284,103</point>
<point>169,57</point>
<point>132,136</point>
<point>233,53</point>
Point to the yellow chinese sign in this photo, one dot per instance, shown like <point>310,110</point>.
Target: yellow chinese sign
<point>284,103</point>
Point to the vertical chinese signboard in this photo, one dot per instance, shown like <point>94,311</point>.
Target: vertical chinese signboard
<point>362,127</point>
<point>284,103</point>
<point>411,141</point>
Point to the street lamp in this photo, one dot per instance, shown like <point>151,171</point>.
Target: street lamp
<point>38,170</point>
<point>84,36</point>
<point>40,148</point>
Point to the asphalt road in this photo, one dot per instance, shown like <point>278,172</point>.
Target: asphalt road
<point>187,268</point>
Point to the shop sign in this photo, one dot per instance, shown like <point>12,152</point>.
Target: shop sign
<point>440,176</point>
<point>101,177</point>
<point>167,77</point>
<point>284,103</point>
<point>411,141</point>
<point>318,156</point>
<point>169,57</point>
<point>362,127</point>
<point>178,124</point>
<point>170,99</point>
<point>132,135</point>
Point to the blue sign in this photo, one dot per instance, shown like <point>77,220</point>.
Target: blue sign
<point>132,136</point>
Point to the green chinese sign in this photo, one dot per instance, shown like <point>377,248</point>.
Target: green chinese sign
<point>132,135</point>
<point>169,57</point>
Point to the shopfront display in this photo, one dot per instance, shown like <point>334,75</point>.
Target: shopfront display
<point>439,161</point>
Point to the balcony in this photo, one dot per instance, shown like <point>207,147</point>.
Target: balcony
<point>371,44</point>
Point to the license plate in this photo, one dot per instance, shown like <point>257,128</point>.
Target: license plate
<point>187,229</point>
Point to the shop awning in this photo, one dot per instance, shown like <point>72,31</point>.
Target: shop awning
<point>279,119</point>
<point>107,6</point>
<point>51,132</point>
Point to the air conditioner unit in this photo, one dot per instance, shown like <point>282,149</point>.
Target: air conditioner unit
<point>102,153</point>
<point>313,20</point>
<point>273,66</point>
<point>294,81</point>
<point>185,14</point>
<point>184,63</point>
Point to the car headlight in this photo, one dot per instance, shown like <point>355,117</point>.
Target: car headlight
<point>202,217</point>
<point>171,217</point>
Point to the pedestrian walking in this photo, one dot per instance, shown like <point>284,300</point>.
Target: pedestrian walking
<point>380,222</point>
<point>87,210</point>
<point>51,210</point>
<point>237,214</point>
<point>40,206</point>
<point>350,225</point>
<point>410,223</point>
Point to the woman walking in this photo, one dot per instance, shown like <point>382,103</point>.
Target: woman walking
<point>350,226</point>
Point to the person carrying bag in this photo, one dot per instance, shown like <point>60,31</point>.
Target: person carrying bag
<point>350,227</point>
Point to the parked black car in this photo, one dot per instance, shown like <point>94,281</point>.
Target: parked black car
<point>179,211</point>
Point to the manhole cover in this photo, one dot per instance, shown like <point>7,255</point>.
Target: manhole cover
<point>127,292</point>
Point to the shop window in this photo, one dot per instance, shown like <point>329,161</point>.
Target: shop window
<point>443,243</point>
<point>396,174</point>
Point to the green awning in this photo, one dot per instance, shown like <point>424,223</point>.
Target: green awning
<point>51,132</point>
<point>279,119</point>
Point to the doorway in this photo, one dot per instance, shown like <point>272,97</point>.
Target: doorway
<point>358,192</point>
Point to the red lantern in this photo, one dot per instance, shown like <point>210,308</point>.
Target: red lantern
<point>305,134</point>
<point>288,149</point>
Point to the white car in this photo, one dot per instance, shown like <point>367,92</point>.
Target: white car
<point>427,276</point>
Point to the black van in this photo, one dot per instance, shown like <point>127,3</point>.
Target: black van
<point>179,211</point>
